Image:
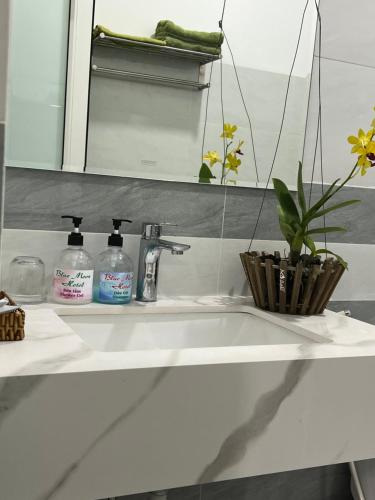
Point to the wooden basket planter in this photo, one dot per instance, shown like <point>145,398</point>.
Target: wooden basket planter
<point>12,324</point>
<point>280,287</point>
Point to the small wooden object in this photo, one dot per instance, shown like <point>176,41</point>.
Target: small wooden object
<point>279,287</point>
<point>12,324</point>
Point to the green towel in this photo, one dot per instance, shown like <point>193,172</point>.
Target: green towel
<point>102,29</point>
<point>179,44</point>
<point>167,28</point>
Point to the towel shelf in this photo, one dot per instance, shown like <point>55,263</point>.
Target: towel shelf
<point>161,50</point>
<point>163,80</point>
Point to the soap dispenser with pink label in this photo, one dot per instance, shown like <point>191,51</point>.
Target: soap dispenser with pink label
<point>74,271</point>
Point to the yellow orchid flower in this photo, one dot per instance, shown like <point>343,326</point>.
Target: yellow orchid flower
<point>364,147</point>
<point>228,130</point>
<point>213,157</point>
<point>363,164</point>
<point>232,162</point>
<point>362,140</point>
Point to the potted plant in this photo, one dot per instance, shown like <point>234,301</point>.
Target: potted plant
<point>302,283</point>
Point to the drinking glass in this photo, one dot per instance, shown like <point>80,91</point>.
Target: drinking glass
<point>26,280</point>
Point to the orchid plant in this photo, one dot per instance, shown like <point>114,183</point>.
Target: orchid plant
<point>229,163</point>
<point>296,218</point>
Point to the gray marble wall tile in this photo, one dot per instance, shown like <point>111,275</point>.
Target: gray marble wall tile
<point>364,310</point>
<point>187,493</point>
<point>241,211</point>
<point>35,199</point>
<point>242,207</point>
<point>358,219</point>
<point>141,496</point>
<point>2,142</point>
<point>321,483</point>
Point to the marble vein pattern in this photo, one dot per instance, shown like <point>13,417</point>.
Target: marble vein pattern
<point>119,420</point>
<point>235,445</point>
<point>15,389</point>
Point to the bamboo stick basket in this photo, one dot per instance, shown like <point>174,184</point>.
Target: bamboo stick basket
<point>280,287</point>
<point>12,324</point>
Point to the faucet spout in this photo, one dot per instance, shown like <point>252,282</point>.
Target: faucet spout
<point>151,247</point>
<point>174,248</point>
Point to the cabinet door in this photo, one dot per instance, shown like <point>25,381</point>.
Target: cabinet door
<point>37,73</point>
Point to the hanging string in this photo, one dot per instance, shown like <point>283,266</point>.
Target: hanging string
<point>222,14</point>
<point>206,111</point>
<point>222,98</point>
<point>318,137</point>
<point>281,126</point>
<point>244,104</point>
<point>221,93</point>
<point>320,113</point>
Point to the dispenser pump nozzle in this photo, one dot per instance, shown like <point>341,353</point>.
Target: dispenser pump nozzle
<point>116,240</point>
<point>75,238</point>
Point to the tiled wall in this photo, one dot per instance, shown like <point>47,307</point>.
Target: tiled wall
<point>219,221</point>
<point>348,82</point>
<point>215,220</point>
<point>4,12</point>
<point>320,483</point>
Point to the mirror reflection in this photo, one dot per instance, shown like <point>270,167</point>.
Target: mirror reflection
<point>164,81</point>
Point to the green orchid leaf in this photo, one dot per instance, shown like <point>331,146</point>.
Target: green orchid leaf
<point>297,243</point>
<point>334,207</point>
<point>205,174</point>
<point>323,200</point>
<point>309,242</point>
<point>285,218</point>
<point>324,230</point>
<point>301,193</point>
<point>286,201</point>
<point>340,259</point>
<point>287,231</point>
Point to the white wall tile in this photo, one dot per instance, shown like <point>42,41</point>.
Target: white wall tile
<point>194,273</point>
<point>347,104</point>
<point>211,267</point>
<point>348,30</point>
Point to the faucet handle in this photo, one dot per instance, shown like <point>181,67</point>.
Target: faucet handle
<point>152,230</point>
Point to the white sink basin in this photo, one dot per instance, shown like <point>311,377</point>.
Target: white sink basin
<point>179,330</point>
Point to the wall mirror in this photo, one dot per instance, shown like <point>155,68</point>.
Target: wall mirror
<point>139,109</point>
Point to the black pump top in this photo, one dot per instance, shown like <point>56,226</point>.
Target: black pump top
<point>116,240</point>
<point>75,237</point>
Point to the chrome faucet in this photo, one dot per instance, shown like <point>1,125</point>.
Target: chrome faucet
<point>150,250</point>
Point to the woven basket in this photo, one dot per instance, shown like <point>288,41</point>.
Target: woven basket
<point>291,289</point>
<point>12,324</point>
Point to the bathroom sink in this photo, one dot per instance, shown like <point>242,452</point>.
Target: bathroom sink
<point>179,330</point>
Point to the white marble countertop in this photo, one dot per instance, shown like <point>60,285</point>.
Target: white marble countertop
<point>82,424</point>
<point>51,347</point>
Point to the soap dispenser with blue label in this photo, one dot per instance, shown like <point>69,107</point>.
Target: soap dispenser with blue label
<point>114,270</point>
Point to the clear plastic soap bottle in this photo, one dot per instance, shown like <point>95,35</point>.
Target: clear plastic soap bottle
<point>114,270</point>
<point>74,271</point>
